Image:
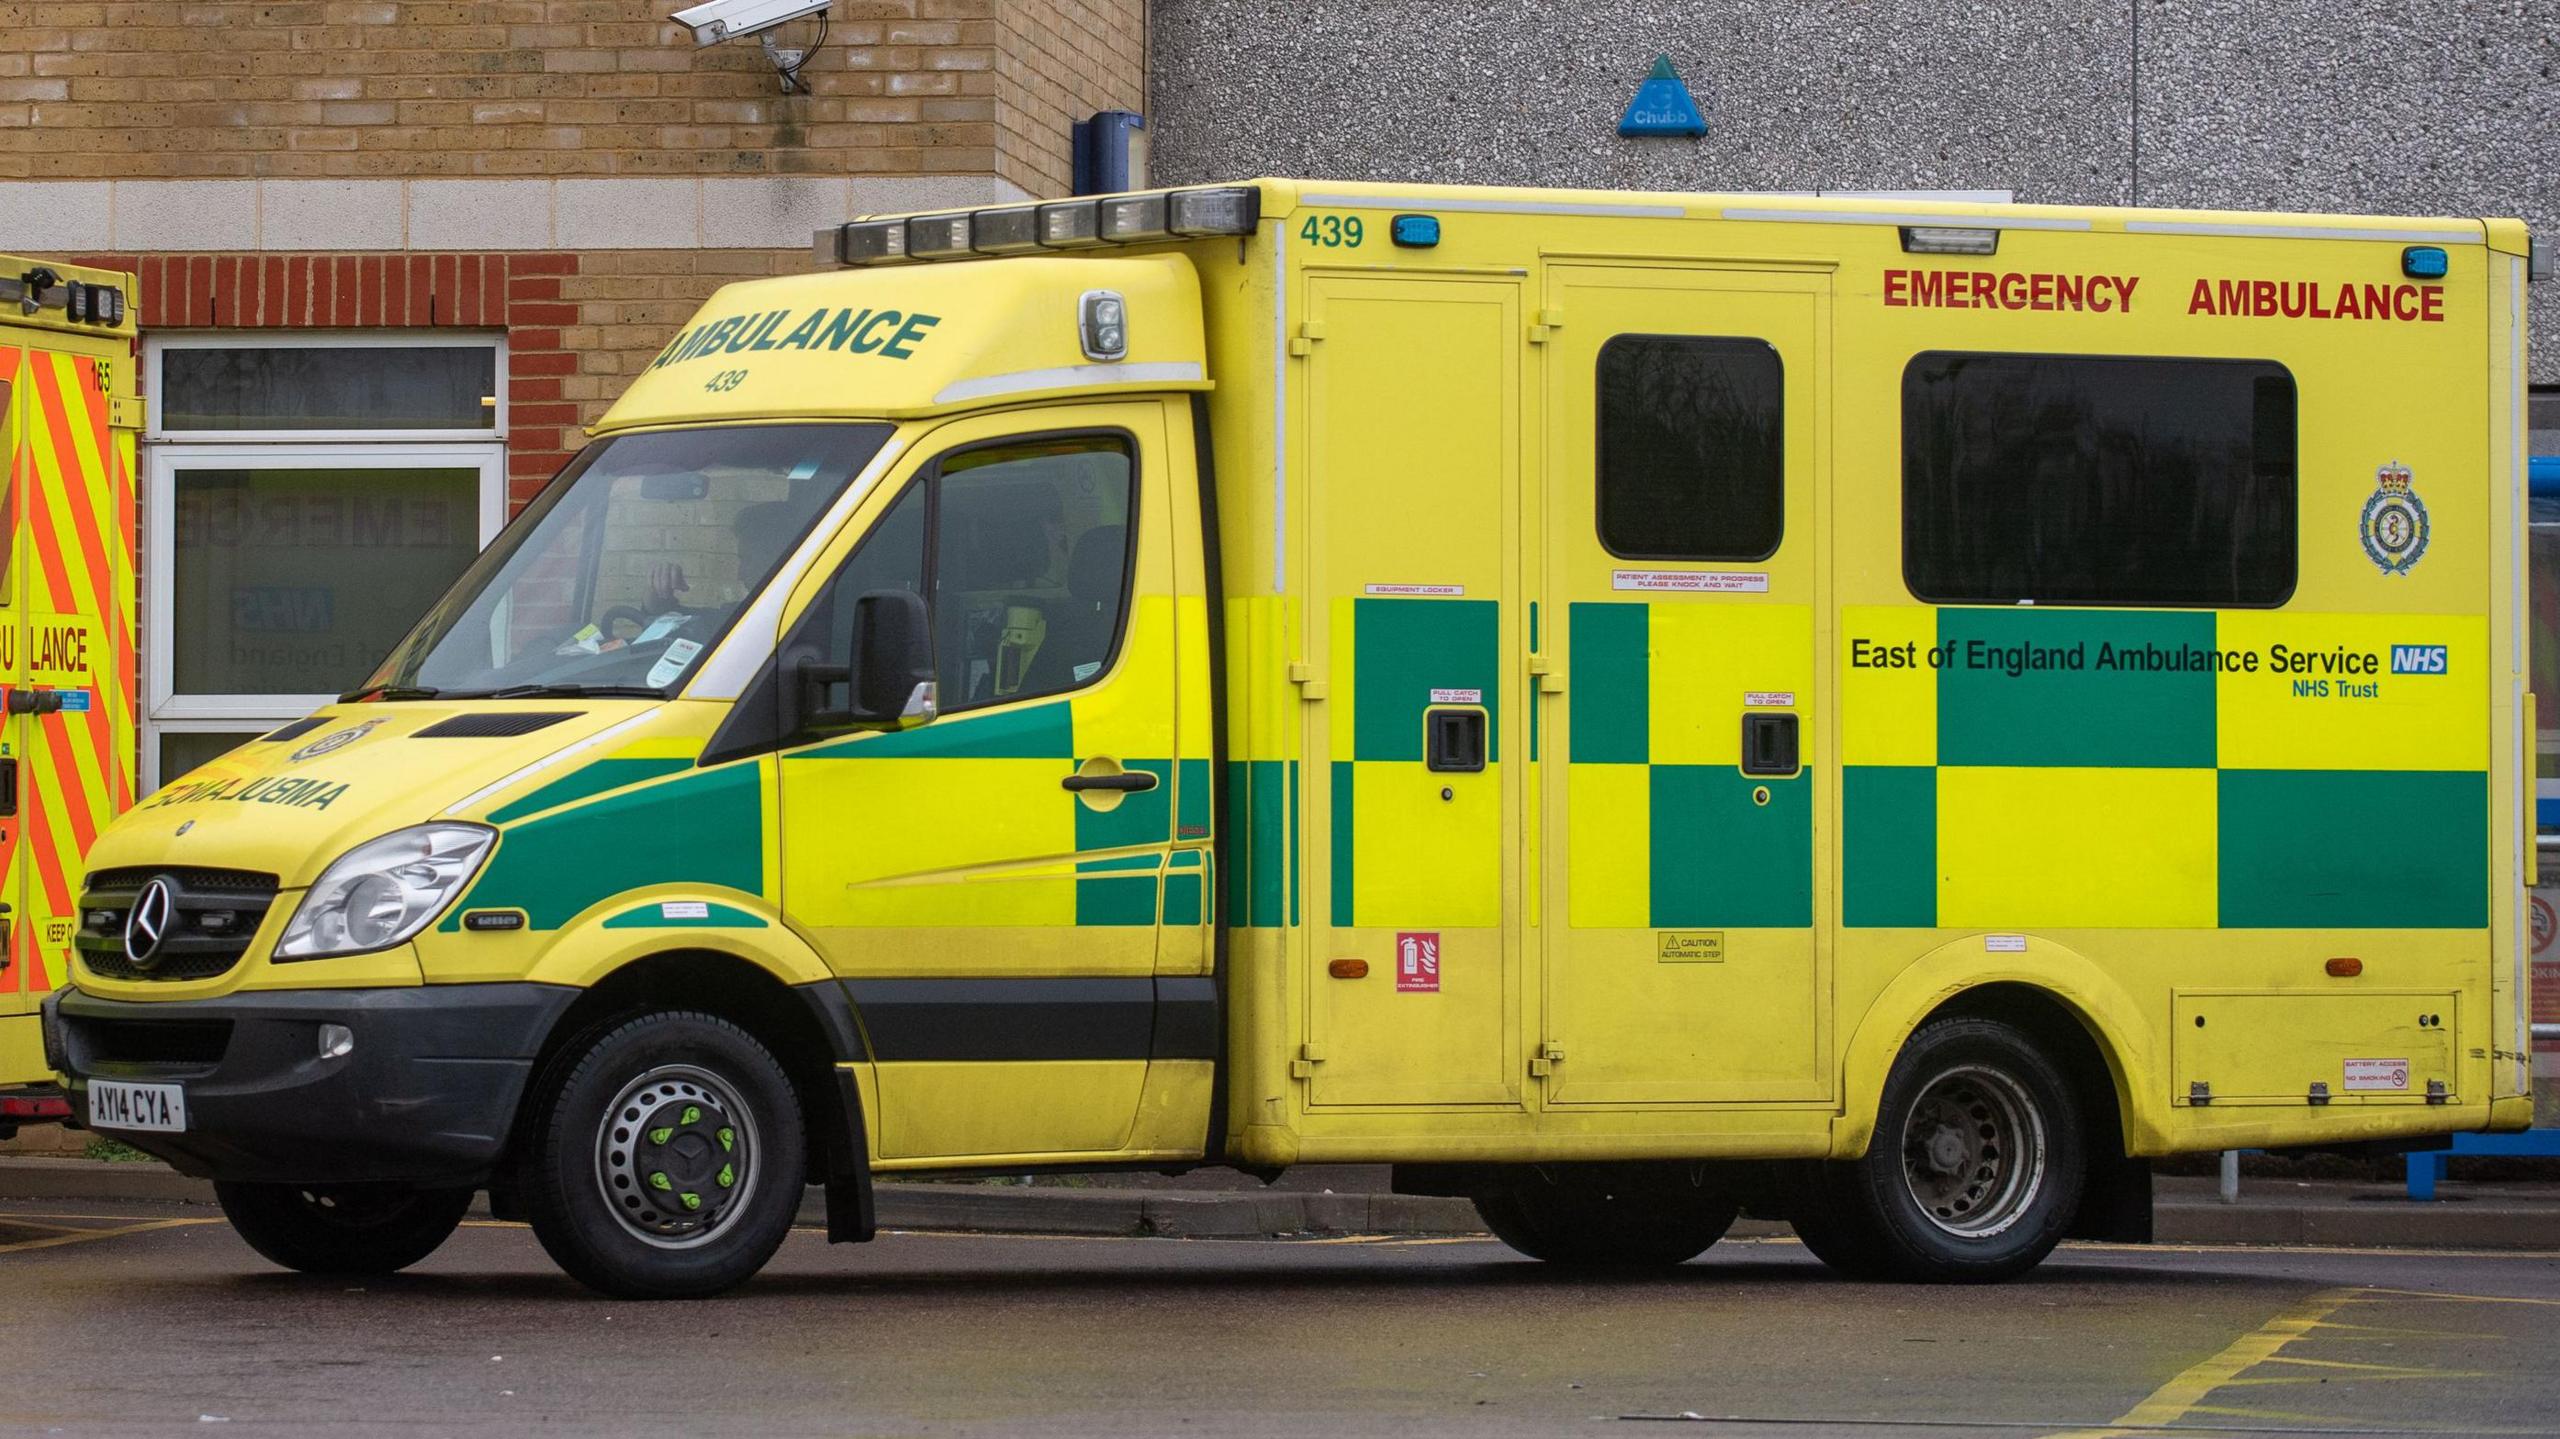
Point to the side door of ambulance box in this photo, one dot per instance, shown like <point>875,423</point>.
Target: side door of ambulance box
<point>1417,750</point>
<point>1687,790</point>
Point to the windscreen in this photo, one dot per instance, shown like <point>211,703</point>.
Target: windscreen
<point>630,566</point>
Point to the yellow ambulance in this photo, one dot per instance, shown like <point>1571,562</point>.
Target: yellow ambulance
<point>1626,707</point>
<point>68,417</point>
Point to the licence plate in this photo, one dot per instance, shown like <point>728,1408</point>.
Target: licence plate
<point>114,1104</point>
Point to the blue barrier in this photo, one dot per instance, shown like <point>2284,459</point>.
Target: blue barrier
<point>2425,1168</point>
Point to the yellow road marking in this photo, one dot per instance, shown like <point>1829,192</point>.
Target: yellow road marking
<point>2281,1416</point>
<point>2466,1298</point>
<point>2088,1247</point>
<point>2356,1332</point>
<point>2374,1371</point>
<point>86,1236</point>
<point>9,1216</point>
<point>2180,1396</point>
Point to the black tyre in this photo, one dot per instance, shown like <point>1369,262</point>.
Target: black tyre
<point>1595,1225</point>
<point>343,1229</point>
<point>666,1158</point>
<point>1975,1170</point>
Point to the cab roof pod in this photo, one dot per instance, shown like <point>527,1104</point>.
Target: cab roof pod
<point>913,340</point>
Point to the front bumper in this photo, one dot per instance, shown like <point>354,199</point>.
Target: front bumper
<point>426,1096</point>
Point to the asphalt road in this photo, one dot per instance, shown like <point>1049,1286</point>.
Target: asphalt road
<point>139,1319</point>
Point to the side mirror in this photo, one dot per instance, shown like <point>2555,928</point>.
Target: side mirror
<point>888,680</point>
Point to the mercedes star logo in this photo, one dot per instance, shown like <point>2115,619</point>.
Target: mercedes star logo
<point>149,923</point>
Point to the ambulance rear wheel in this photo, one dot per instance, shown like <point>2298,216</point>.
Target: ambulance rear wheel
<point>667,1157</point>
<point>1592,1225</point>
<point>1975,1170</point>
<point>343,1229</point>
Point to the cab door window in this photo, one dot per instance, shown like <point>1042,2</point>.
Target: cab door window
<point>1030,573</point>
<point>1021,550</point>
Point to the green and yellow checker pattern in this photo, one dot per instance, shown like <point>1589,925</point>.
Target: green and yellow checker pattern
<point>1401,854</point>
<point>973,791</point>
<point>1985,792</point>
<point>1664,831</point>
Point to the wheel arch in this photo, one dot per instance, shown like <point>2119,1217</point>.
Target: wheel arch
<point>809,1027</point>
<point>2079,1013</point>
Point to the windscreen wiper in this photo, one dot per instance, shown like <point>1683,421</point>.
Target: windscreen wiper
<point>565,691</point>
<point>391,692</point>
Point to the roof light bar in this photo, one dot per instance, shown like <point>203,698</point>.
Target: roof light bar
<point>1060,225</point>
<point>1010,231</point>
<point>1949,240</point>
<point>938,237</point>
<point>1071,224</point>
<point>874,242</point>
<point>1127,219</point>
<point>1231,211</point>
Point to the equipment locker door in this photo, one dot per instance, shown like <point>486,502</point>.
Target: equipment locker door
<point>1412,422</point>
<point>1685,560</point>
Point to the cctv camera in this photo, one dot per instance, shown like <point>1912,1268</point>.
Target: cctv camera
<point>718,20</point>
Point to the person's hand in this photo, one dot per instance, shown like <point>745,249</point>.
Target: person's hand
<point>665,583</point>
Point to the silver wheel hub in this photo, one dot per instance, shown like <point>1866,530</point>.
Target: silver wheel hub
<point>1973,1151</point>
<point>676,1155</point>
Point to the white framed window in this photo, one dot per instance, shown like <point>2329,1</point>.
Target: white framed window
<point>325,385</point>
<point>306,497</point>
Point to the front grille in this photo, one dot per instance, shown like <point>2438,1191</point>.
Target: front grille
<point>212,915</point>
<point>152,1041</point>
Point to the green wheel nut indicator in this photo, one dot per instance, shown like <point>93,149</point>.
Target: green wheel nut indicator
<point>727,1176</point>
<point>658,1180</point>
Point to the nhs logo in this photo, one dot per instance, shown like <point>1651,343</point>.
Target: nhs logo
<point>2417,659</point>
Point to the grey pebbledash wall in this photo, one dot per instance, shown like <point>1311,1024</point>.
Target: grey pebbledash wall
<point>2447,108</point>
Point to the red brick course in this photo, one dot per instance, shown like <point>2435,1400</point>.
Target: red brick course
<point>517,292</point>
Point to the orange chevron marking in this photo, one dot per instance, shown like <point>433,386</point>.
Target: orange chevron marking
<point>100,575</point>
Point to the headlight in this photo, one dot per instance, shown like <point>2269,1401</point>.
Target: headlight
<point>385,890</point>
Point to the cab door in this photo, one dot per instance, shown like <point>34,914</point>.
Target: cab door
<point>990,884</point>
<point>65,653</point>
<point>1686,561</point>
<point>1415,633</point>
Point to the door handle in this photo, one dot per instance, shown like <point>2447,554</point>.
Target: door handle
<point>1127,781</point>
<point>8,795</point>
<point>1769,744</point>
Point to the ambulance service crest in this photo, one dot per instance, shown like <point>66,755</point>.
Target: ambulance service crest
<point>328,743</point>
<point>2394,522</point>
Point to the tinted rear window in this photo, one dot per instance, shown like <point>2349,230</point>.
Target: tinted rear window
<point>2064,479</point>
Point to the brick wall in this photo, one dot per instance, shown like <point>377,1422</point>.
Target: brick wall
<point>1060,61</point>
<point>578,324</point>
<point>204,89</point>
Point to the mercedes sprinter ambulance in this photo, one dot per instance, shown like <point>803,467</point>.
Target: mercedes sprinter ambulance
<point>1623,706</point>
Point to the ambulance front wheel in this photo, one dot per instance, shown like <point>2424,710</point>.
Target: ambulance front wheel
<point>667,1157</point>
<point>1974,1172</point>
<point>1598,1225</point>
<point>343,1229</point>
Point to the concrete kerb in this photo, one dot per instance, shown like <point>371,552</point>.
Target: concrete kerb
<point>2338,1215</point>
